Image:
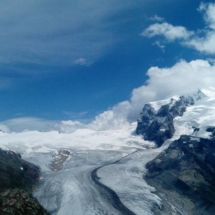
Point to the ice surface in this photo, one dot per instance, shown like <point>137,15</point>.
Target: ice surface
<point>200,115</point>
<point>157,104</point>
<point>126,179</point>
<point>72,190</point>
<point>120,154</point>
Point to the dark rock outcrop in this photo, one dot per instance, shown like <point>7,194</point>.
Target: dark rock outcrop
<point>211,129</point>
<point>158,126</point>
<point>19,202</point>
<point>18,179</point>
<point>184,176</point>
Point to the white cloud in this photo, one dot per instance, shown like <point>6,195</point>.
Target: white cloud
<point>81,62</point>
<point>205,43</point>
<point>31,124</point>
<point>202,40</point>
<point>167,30</point>
<point>113,118</point>
<point>69,126</point>
<point>57,32</point>
<point>156,18</point>
<point>209,13</point>
<point>27,123</point>
<point>182,78</point>
<point>161,46</point>
<point>4,128</point>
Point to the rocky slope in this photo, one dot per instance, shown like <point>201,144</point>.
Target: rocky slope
<point>184,176</point>
<point>158,125</point>
<point>184,173</point>
<point>18,179</point>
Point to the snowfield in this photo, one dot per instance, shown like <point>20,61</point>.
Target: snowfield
<point>71,190</point>
<point>119,155</point>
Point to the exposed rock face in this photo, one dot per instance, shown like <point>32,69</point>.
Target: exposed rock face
<point>211,129</point>
<point>158,126</point>
<point>59,160</point>
<point>17,173</point>
<point>17,180</point>
<point>19,202</point>
<point>184,176</point>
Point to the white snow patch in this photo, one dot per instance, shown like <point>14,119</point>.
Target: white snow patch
<point>92,146</point>
<point>157,104</point>
<point>195,138</point>
<point>201,115</point>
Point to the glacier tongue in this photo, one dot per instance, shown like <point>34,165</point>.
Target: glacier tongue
<point>71,190</point>
<point>126,179</point>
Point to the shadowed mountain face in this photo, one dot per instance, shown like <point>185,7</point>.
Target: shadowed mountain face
<point>158,125</point>
<point>184,176</point>
<point>184,173</point>
<point>18,178</point>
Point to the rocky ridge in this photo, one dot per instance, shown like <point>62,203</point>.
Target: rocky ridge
<point>158,125</point>
<point>18,178</point>
<point>184,176</point>
<point>184,173</point>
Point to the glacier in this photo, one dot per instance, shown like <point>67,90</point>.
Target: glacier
<point>117,157</point>
<point>71,190</point>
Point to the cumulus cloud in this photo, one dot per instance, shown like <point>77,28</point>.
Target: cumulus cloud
<point>207,42</point>
<point>182,78</point>
<point>209,13</point>
<point>202,40</point>
<point>113,118</point>
<point>167,30</point>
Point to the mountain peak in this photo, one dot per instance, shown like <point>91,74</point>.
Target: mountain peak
<point>158,125</point>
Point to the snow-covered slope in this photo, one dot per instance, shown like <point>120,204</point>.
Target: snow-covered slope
<point>71,189</point>
<point>120,153</point>
<point>200,115</point>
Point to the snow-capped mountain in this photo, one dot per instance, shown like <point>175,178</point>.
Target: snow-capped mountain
<point>90,172</point>
<point>157,125</point>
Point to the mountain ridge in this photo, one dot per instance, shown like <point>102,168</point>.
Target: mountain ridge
<point>158,125</point>
<point>183,174</point>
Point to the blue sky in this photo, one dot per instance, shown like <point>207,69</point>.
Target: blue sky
<point>73,59</point>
